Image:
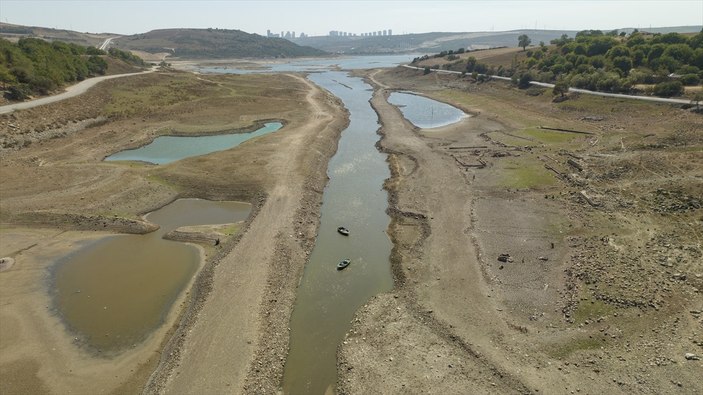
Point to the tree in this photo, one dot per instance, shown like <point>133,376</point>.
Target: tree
<point>697,100</point>
<point>523,41</point>
<point>668,88</point>
<point>623,63</point>
<point>470,64</point>
<point>560,88</point>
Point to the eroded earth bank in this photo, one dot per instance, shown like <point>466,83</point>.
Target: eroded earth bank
<point>539,247</point>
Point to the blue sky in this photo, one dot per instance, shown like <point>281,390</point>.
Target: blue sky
<point>319,17</point>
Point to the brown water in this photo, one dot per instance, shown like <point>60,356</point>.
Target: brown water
<point>113,293</point>
<point>327,298</point>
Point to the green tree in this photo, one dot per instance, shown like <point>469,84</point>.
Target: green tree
<point>623,63</point>
<point>635,39</point>
<point>680,52</point>
<point>561,87</point>
<point>523,41</point>
<point>619,50</point>
<point>690,79</point>
<point>697,100</point>
<point>470,64</point>
<point>697,58</point>
<point>668,88</point>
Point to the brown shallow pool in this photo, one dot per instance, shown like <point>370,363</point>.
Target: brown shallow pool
<point>114,292</point>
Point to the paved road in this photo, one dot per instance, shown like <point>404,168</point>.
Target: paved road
<point>71,91</point>
<point>105,44</point>
<point>585,91</point>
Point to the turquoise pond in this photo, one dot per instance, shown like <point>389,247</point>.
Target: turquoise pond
<point>167,149</point>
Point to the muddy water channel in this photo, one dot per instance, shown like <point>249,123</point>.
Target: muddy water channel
<point>167,149</point>
<point>354,197</point>
<point>113,293</point>
<point>425,113</point>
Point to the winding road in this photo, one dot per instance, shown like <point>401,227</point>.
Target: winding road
<point>71,91</point>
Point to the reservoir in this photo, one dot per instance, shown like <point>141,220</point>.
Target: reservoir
<point>327,298</point>
<point>114,292</point>
<point>425,113</point>
<point>167,149</point>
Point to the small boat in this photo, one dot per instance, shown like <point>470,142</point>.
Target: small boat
<point>341,265</point>
<point>343,230</point>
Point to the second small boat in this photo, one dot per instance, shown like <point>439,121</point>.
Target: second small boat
<point>343,230</point>
<point>341,265</point>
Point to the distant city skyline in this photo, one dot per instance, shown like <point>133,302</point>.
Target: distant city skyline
<point>319,18</point>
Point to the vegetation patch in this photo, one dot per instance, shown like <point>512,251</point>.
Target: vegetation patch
<point>548,136</point>
<point>127,102</point>
<point>232,229</point>
<point>525,174</point>
<point>36,67</point>
<point>591,309</point>
<point>513,140</point>
<point>577,344</point>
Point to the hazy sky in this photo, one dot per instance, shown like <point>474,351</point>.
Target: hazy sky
<point>359,16</point>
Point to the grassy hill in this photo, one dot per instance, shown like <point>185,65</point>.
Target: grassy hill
<point>214,43</point>
<point>34,66</point>
<point>13,33</point>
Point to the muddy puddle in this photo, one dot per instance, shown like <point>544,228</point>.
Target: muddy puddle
<point>167,149</point>
<point>425,113</point>
<point>114,292</point>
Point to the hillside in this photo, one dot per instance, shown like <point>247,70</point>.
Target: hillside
<point>424,42</point>
<point>445,41</point>
<point>33,66</point>
<point>213,43</point>
<point>664,65</point>
<point>13,33</point>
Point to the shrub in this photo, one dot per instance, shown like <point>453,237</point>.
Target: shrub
<point>523,81</point>
<point>668,88</point>
<point>18,92</point>
<point>690,79</point>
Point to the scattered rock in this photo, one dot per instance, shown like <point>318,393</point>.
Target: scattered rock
<point>692,357</point>
<point>505,258</point>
